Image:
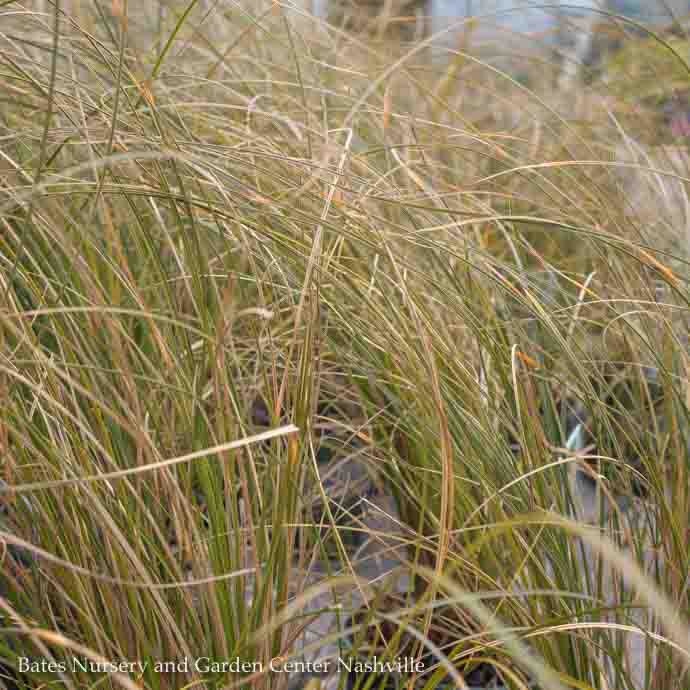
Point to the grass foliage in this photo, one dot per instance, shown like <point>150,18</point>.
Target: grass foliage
<point>219,220</point>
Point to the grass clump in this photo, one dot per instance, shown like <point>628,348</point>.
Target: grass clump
<point>236,241</point>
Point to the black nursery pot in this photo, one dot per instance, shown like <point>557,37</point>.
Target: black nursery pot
<point>366,672</point>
